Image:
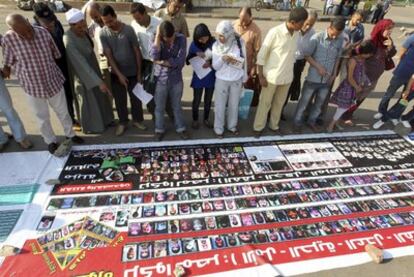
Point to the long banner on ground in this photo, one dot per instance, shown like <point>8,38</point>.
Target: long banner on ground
<point>232,207</point>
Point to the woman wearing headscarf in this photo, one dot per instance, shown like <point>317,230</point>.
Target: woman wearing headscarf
<point>229,54</point>
<point>90,88</point>
<point>201,47</point>
<point>378,63</point>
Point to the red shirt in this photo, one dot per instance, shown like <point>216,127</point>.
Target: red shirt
<point>33,62</point>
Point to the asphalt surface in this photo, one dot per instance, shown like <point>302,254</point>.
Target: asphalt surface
<point>364,116</point>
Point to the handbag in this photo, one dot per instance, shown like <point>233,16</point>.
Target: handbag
<point>149,79</point>
<point>245,101</point>
<point>389,63</point>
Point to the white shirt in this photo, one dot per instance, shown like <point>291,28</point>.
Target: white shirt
<point>94,29</point>
<point>277,55</point>
<point>226,72</point>
<point>146,35</point>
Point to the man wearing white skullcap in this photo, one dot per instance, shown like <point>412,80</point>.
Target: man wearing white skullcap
<point>73,16</point>
<point>90,89</point>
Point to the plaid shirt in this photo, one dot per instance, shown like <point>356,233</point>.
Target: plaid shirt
<point>33,62</point>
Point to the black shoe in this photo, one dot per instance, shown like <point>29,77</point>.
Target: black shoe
<point>257,134</point>
<point>184,135</point>
<point>320,122</point>
<point>52,147</point>
<point>159,136</point>
<point>77,140</point>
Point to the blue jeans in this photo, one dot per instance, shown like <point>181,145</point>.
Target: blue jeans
<point>309,89</point>
<point>174,91</point>
<point>394,85</point>
<point>6,106</point>
<point>397,110</point>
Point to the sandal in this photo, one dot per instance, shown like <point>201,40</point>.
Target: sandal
<point>235,132</point>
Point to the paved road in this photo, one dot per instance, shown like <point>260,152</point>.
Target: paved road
<point>398,267</point>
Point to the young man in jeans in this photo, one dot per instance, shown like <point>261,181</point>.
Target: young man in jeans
<point>323,55</point>
<point>400,78</point>
<point>169,53</point>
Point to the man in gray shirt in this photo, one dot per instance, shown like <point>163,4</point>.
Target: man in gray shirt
<point>323,55</point>
<point>121,48</point>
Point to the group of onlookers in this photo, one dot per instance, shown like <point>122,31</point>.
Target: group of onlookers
<point>81,72</point>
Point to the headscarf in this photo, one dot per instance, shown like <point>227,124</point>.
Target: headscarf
<point>225,28</point>
<point>379,28</point>
<point>201,30</point>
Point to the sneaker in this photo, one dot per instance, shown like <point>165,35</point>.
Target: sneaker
<point>52,147</point>
<point>159,136</point>
<point>394,121</point>
<point>120,130</point>
<point>184,135</point>
<point>378,116</point>
<point>25,144</point>
<point>195,125</point>
<point>378,124</point>
<point>139,125</point>
<point>77,140</point>
<point>406,124</point>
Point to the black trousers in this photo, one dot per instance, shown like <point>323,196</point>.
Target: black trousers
<point>295,86</point>
<point>121,100</point>
<point>208,96</point>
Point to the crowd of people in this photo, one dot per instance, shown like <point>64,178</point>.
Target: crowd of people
<point>82,71</point>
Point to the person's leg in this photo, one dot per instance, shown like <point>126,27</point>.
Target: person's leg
<point>13,119</point>
<point>265,103</point>
<point>277,105</point>
<point>59,106</point>
<point>338,113</point>
<point>394,85</point>
<point>160,98</point>
<point>69,100</point>
<point>121,100</point>
<point>208,96</point>
<point>198,93</point>
<point>322,93</point>
<point>233,106</point>
<point>175,91</point>
<point>136,104</point>
<point>307,94</point>
<point>350,112</point>
<point>41,111</point>
<point>221,92</point>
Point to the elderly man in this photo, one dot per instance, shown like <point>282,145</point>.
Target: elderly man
<point>120,45</point>
<point>145,26</point>
<point>31,51</point>
<point>95,107</point>
<point>275,63</point>
<point>172,13</point>
<point>252,37</point>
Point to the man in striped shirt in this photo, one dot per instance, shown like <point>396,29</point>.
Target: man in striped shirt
<point>31,52</point>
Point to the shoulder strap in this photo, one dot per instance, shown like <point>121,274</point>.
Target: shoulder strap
<point>240,46</point>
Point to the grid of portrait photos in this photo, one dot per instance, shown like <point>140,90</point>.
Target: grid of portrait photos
<point>171,247</point>
<point>67,242</point>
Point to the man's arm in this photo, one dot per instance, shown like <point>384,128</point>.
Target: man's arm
<point>8,58</point>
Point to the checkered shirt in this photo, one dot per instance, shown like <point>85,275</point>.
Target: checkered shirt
<point>33,62</point>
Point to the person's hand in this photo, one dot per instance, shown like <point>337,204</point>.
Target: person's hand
<point>105,89</point>
<point>201,55</point>
<point>123,80</point>
<point>5,72</point>
<point>227,58</point>
<point>358,89</point>
<point>405,94</point>
<point>207,65</point>
<point>388,42</point>
<point>253,72</point>
<point>331,80</point>
<point>263,81</point>
<point>322,71</point>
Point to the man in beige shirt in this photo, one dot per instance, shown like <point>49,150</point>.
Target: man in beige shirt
<point>252,37</point>
<point>275,65</point>
<point>173,14</point>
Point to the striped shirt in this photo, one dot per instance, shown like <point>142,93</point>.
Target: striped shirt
<point>33,62</point>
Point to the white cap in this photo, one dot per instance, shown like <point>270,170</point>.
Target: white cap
<point>74,16</point>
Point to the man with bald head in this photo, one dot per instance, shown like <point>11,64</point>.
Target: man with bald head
<point>31,52</point>
<point>252,36</point>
